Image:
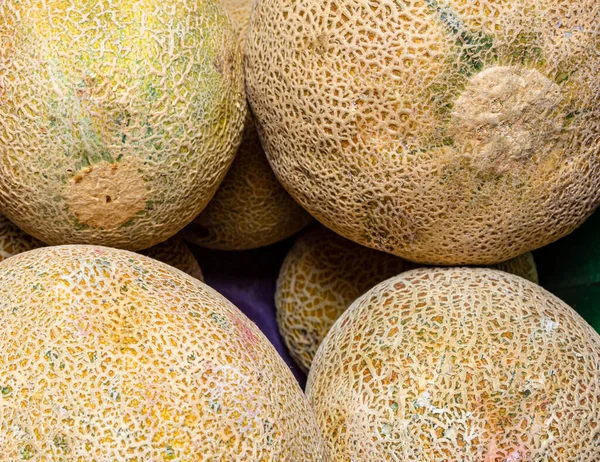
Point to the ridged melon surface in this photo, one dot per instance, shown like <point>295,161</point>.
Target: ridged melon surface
<point>173,251</point>
<point>118,118</point>
<point>322,275</point>
<point>109,355</point>
<point>459,364</point>
<point>250,209</point>
<point>13,240</point>
<point>445,132</point>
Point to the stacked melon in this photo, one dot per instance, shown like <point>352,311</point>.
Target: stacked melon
<point>442,131</point>
<point>418,132</point>
<point>110,355</point>
<point>323,273</point>
<point>250,209</point>
<point>118,121</point>
<point>458,364</point>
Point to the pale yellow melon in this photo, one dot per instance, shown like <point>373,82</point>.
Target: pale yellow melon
<point>110,355</point>
<point>458,364</point>
<point>118,119</point>
<point>323,273</point>
<point>250,209</point>
<point>443,131</point>
<point>173,251</point>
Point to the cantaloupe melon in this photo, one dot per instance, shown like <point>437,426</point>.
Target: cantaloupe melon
<point>572,270</point>
<point>110,355</point>
<point>458,364</point>
<point>13,240</point>
<point>322,275</point>
<point>250,209</point>
<point>118,118</point>
<point>173,251</point>
<point>442,131</point>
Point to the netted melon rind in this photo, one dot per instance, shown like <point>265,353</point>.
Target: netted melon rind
<point>444,132</point>
<point>240,11</point>
<point>118,119</point>
<point>523,265</point>
<point>110,355</point>
<point>13,240</point>
<point>323,273</point>
<point>173,251</point>
<point>176,253</point>
<point>250,209</point>
<point>458,364</point>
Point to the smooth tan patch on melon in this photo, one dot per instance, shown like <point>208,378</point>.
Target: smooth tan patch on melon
<point>109,355</point>
<point>505,116</point>
<point>445,132</point>
<point>107,195</point>
<point>460,364</point>
<point>250,209</point>
<point>323,273</point>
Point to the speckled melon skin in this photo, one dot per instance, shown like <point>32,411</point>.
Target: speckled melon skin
<point>459,364</point>
<point>322,275</point>
<point>118,118</point>
<point>109,355</point>
<point>446,132</point>
<point>250,209</point>
<point>173,251</point>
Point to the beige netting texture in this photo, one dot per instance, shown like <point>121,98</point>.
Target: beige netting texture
<point>459,364</point>
<point>110,355</point>
<point>445,132</point>
<point>323,273</point>
<point>118,119</point>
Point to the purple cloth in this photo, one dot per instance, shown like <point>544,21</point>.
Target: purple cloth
<point>247,279</point>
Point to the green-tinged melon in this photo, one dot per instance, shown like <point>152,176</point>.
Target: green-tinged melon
<point>442,131</point>
<point>323,273</point>
<point>250,209</point>
<point>118,119</point>
<point>458,364</point>
<point>106,354</point>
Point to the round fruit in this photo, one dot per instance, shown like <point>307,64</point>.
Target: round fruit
<point>250,209</point>
<point>444,132</point>
<point>323,273</point>
<point>118,119</point>
<point>13,240</point>
<point>175,252</point>
<point>464,364</point>
<point>110,355</point>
